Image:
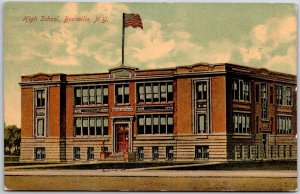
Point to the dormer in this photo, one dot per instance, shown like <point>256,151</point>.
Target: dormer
<point>122,72</point>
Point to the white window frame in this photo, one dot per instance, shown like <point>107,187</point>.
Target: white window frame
<point>286,120</point>
<point>204,106</point>
<point>238,118</point>
<point>103,122</point>
<point>123,86</point>
<point>89,87</point>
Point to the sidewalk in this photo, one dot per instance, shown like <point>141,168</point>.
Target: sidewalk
<point>154,173</point>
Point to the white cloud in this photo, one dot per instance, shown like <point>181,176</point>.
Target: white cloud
<point>70,10</point>
<point>284,63</point>
<point>150,44</point>
<point>275,31</point>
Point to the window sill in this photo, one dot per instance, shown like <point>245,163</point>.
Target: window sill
<point>155,103</point>
<point>242,102</point>
<point>241,135</point>
<point>91,105</point>
<point>285,106</point>
<point>265,120</point>
<point>42,137</point>
<point>83,138</point>
<point>157,136</point>
<point>122,104</point>
<point>284,135</point>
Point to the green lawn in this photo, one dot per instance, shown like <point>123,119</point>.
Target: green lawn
<point>245,165</point>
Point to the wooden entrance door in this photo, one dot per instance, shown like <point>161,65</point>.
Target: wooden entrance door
<point>122,137</point>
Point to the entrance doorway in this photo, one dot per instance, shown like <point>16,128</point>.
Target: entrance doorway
<point>122,137</point>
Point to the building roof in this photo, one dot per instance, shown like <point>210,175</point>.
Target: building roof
<point>123,72</point>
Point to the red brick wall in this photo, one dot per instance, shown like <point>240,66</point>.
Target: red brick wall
<point>218,104</point>
<point>27,112</point>
<point>70,110</point>
<point>184,106</point>
<point>54,111</point>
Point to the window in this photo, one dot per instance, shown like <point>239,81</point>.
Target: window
<point>85,96</point>
<point>163,95</point>
<point>78,125</point>
<point>76,153</point>
<point>202,90</point>
<point>39,153</point>
<point>91,126</point>
<point>99,124</point>
<point>241,123</point>
<point>279,95</point>
<point>155,124</point>
<point>170,125</point>
<point>90,153</point>
<point>102,95</point>
<point>278,151</point>
<point>105,126</point>
<point>155,88</point>
<point>148,93</point>
<point>122,94</point>
<point>154,153</point>
<point>202,123</point>
<point>91,95</point>
<point>77,96</point>
<point>288,96</point>
<point>271,95</point>
<point>140,153</point>
<point>141,125</point>
<point>256,93</point>
<point>253,152</point>
<point>235,88</point>
<point>284,95</point>
<point>169,152</point>
<point>148,124</point>
<point>240,90</point>
<point>271,151</point>
<point>40,98</point>
<point>284,125</point>
<point>40,127</point>
<point>201,94</point>
<point>170,92</point>
<point>104,149</point>
<point>264,101</point>
<point>284,151</point>
<point>155,92</point>
<point>201,116</point>
<point>85,126</point>
<point>201,152</point>
<point>291,151</point>
<point>141,93</point>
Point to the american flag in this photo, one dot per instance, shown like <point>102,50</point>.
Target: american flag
<point>133,20</point>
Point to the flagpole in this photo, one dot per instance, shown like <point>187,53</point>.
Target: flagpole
<point>123,32</point>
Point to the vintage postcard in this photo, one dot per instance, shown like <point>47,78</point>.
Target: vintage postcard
<point>150,96</point>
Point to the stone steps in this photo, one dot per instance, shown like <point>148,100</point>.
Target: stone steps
<point>115,157</point>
